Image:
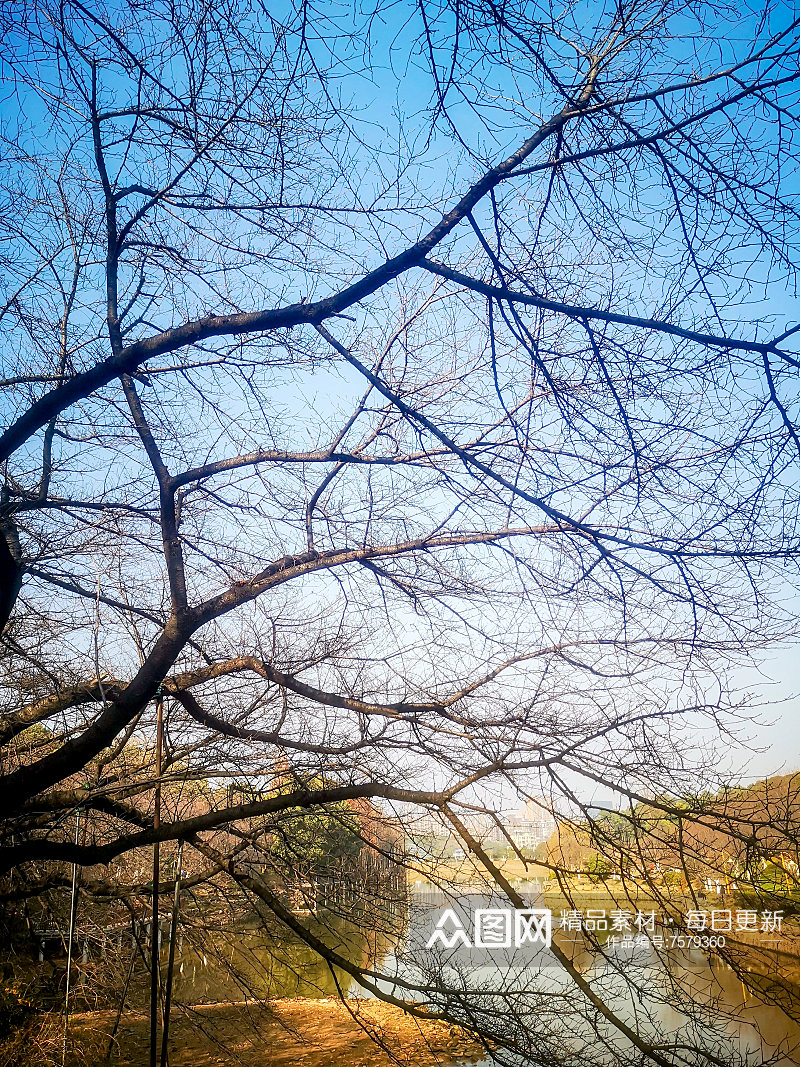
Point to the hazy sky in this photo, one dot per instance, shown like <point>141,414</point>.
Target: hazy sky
<point>775,685</point>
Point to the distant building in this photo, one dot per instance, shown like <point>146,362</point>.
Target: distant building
<point>532,826</point>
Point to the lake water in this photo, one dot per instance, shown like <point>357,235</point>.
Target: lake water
<point>672,994</point>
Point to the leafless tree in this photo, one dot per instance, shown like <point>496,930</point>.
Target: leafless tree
<point>406,397</point>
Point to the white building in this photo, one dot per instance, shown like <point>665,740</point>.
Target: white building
<point>532,826</point>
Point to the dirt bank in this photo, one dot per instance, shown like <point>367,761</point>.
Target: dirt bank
<point>315,1033</point>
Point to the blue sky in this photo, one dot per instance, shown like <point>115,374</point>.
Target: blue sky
<point>393,90</point>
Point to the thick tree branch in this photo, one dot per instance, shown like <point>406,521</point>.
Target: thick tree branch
<point>312,313</point>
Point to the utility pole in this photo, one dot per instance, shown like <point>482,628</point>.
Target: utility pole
<point>173,934</point>
<point>154,956</point>
<point>73,912</point>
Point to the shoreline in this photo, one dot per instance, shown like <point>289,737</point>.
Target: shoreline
<point>292,1030</point>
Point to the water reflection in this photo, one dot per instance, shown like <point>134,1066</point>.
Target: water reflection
<point>260,959</point>
<point>663,995</point>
